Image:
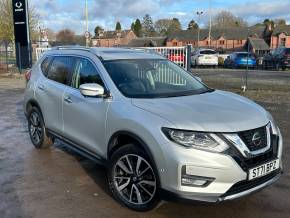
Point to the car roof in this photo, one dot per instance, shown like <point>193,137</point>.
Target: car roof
<point>113,53</point>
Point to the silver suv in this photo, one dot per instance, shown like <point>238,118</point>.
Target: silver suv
<point>160,131</point>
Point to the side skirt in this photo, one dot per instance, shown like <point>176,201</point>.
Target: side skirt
<point>79,149</point>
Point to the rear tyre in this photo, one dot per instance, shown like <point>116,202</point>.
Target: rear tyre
<point>37,130</point>
<point>132,178</point>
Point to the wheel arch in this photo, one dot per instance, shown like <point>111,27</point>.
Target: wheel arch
<point>113,145</point>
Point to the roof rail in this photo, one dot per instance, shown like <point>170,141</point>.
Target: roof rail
<point>71,47</point>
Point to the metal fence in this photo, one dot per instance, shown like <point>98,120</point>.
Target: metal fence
<point>176,54</point>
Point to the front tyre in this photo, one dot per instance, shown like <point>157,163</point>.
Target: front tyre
<point>36,129</point>
<point>132,178</point>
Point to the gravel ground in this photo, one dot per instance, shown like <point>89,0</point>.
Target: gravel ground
<point>58,183</point>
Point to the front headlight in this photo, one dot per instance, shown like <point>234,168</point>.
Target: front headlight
<point>275,129</point>
<point>198,140</point>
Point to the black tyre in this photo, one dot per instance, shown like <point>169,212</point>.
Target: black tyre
<point>36,129</point>
<point>133,179</point>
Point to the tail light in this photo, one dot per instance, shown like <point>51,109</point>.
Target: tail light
<point>27,75</point>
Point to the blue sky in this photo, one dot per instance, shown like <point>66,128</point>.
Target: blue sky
<point>59,14</point>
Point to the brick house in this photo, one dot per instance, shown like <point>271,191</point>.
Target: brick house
<point>113,38</point>
<point>222,39</point>
<point>280,36</point>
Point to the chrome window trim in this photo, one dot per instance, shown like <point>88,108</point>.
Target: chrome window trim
<point>242,147</point>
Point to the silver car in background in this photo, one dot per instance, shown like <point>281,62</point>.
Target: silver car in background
<point>161,132</point>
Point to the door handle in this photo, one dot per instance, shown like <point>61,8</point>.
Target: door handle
<point>68,100</point>
<point>41,87</point>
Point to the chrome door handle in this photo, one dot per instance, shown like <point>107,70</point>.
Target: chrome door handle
<point>68,99</point>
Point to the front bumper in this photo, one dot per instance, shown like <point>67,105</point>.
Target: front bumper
<point>230,173</point>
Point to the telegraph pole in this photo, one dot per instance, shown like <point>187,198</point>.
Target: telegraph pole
<point>87,34</point>
<point>209,29</point>
<point>199,13</point>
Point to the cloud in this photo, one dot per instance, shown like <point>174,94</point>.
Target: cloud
<point>59,14</point>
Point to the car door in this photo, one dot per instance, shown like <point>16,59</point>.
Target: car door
<point>50,90</point>
<point>85,117</point>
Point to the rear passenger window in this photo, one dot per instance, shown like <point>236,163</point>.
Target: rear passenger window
<point>45,64</point>
<point>61,69</point>
<point>85,72</point>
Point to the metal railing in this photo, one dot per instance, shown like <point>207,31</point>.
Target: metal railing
<point>176,54</point>
<point>40,51</point>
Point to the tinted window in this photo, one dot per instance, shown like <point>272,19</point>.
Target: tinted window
<point>85,72</point>
<point>45,64</point>
<point>61,69</point>
<point>207,52</point>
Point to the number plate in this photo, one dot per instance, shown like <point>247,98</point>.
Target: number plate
<point>263,169</point>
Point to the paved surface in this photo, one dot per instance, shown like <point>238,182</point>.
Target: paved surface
<point>58,183</point>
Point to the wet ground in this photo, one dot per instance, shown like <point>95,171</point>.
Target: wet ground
<point>58,183</point>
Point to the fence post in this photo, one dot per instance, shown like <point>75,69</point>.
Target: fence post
<point>188,58</point>
<point>6,51</point>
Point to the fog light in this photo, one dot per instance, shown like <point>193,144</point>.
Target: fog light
<point>193,180</point>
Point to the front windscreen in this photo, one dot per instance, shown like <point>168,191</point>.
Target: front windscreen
<point>152,78</point>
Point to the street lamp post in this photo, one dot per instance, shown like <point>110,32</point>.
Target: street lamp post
<point>87,23</point>
<point>199,13</point>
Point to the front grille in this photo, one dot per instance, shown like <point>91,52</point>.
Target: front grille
<point>246,185</point>
<point>253,161</point>
<point>249,136</point>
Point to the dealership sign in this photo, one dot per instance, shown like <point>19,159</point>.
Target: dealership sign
<point>21,32</point>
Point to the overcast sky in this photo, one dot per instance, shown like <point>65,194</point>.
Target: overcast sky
<point>59,14</point>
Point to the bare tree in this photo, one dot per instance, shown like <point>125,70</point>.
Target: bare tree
<point>226,19</point>
<point>162,26</point>
<point>65,36</point>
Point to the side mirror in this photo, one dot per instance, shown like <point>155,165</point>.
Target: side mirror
<point>198,78</point>
<point>92,90</point>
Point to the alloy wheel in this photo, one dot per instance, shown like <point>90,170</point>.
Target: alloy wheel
<point>134,179</point>
<point>35,128</point>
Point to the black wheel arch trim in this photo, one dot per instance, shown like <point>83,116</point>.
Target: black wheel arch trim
<point>141,143</point>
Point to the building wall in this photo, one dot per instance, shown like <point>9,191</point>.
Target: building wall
<point>220,43</point>
<point>111,42</point>
<point>276,41</point>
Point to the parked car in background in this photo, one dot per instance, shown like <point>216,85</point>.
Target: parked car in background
<point>204,57</point>
<point>240,59</point>
<point>277,58</point>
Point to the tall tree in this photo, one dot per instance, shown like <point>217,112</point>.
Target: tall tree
<point>192,25</point>
<point>174,26</point>
<point>269,23</point>
<point>138,28</point>
<point>118,26</point>
<point>132,26</point>
<point>166,26</point>
<point>162,26</point>
<point>148,26</point>
<point>226,19</point>
<point>65,36</point>
<point>97,31</point>
<point>280,21</point>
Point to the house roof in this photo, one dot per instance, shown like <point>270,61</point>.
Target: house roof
<point>282,29</point>
<point>113,34</point>
<point>259,44</point>
<point>237,33</point>
<point>147,42</point>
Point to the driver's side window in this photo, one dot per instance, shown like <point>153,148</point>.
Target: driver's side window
<point>85,72</point>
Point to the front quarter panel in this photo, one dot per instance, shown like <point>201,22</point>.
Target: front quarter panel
<point>123,116</point>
